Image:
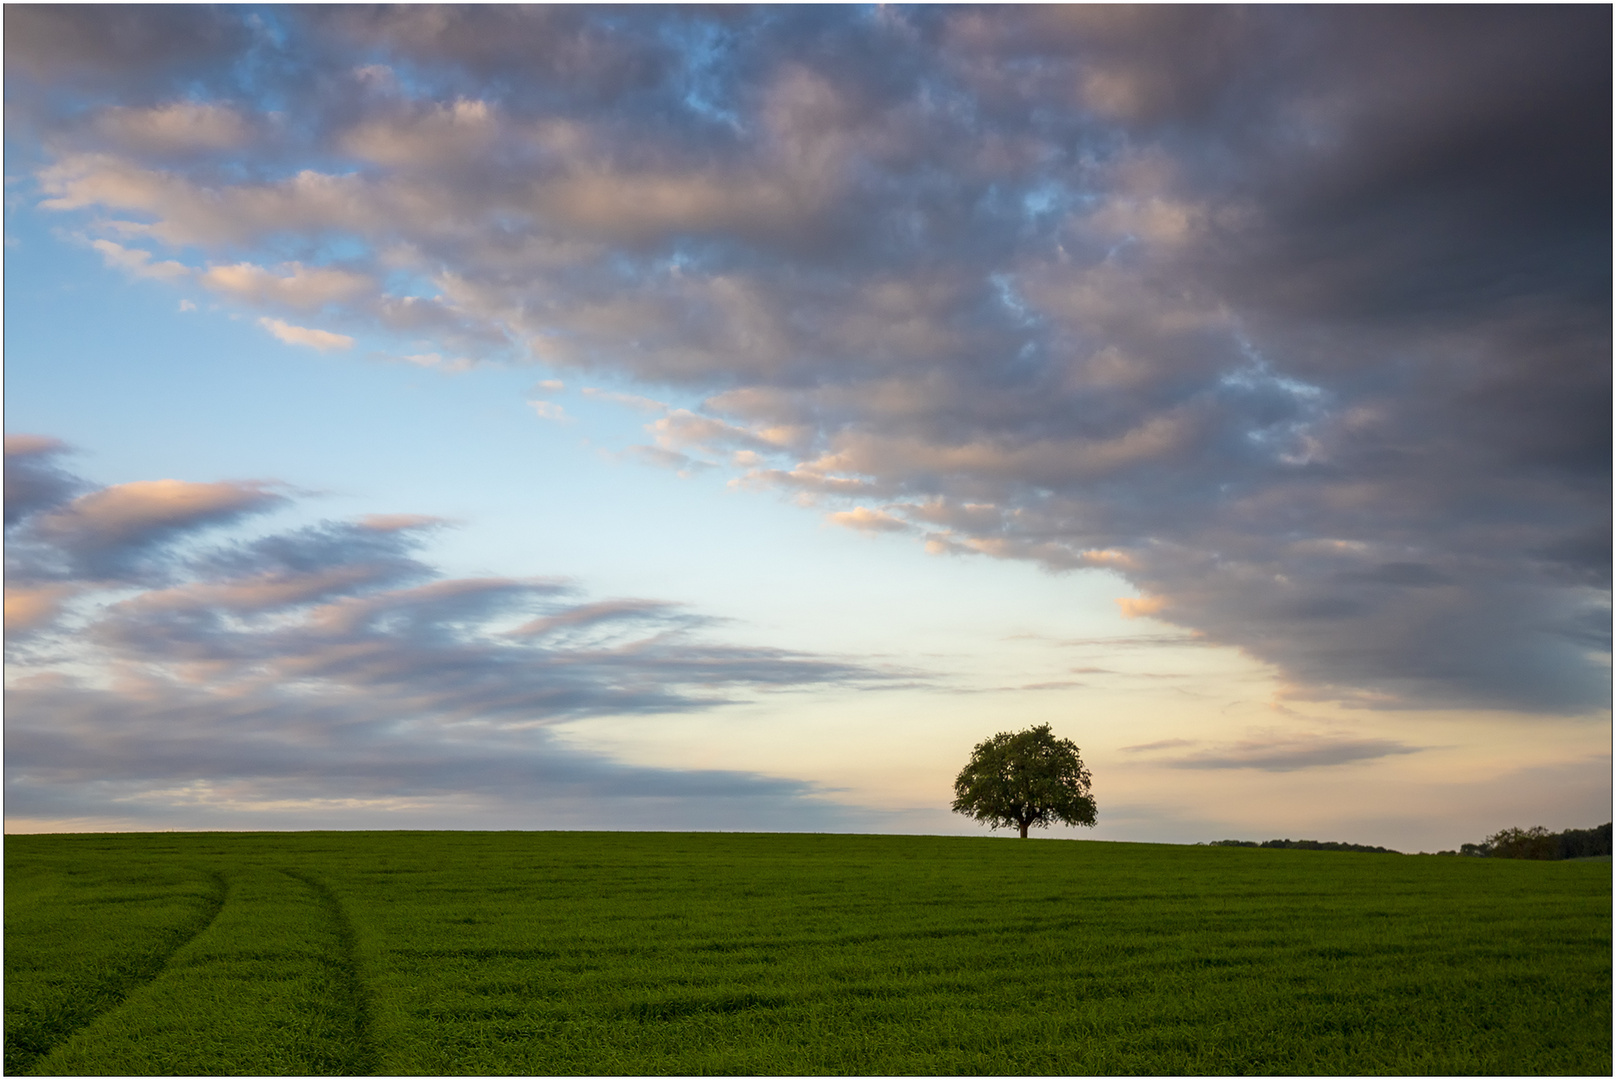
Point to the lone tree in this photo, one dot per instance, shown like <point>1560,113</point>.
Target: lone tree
<point>1025,778</point>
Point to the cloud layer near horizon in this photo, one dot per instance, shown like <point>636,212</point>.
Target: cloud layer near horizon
<point>158,665</point>
<point>1297,318</point>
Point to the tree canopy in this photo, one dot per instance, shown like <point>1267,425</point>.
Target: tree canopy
<point>1025,778</point>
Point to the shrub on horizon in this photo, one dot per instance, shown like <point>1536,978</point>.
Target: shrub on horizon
<point>1534,843</point>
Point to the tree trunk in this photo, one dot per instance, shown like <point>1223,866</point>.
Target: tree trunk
<point>1024,830</point>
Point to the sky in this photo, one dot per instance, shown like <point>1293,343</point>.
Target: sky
<point>724,418</point>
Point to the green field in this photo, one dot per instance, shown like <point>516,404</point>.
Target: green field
<point>412,953</point>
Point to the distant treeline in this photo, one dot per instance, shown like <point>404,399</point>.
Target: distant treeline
<point>1539,843</point>
<point>1308,845</point>
<point>1534,843</point>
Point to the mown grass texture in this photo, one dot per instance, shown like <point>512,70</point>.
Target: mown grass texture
<point>545,953</point>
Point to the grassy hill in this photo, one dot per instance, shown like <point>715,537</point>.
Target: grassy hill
<point>491,953</point>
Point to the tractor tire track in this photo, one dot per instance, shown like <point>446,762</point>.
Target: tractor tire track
<point>351,999</point>
<point>28,1048</point>
<point>272,987</point>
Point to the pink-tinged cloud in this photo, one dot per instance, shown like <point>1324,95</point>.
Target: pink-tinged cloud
<point>139,263</point>
<point>107,531</point>
<point>178,126</point>
<point>1139,607</point>
<point>478,598</point>
<point>306,288</point>
<point>589,615</point>
<point>863,519</point>
<point>424,137</point>
<point>30,608</point>
<point>682,429</point>
<point>454,364</point>
<point>321,340</point>
<point>124,512</point>
<point>33,445</point>
<point>633,401</point>
<point>399,522</point>
<point>266,592</point>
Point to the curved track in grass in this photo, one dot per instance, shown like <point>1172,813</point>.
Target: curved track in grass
<point>349,991</point>
<point>101,988</point>
<point>271,987</point>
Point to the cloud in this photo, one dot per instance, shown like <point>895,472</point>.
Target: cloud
<point>193,212</point>
<point>110,47</point>
<point>321,340</point>
<point>28,608</point>
<point>1138,607</point>
<point>1160,744</point>
<point>431,136</point>
<point>663,458</point>
<point>165,761</point>
<point>633,401</point>
<point>123,532</point>
<point>147,511</point>
<point>589,616</point>
<point>138,263</point>
<point>1318,363</point>
<point>286,672</point>
<point>398,522</point>
<point>251,762</point>
<point>682,429</point>
<point>863,519</point>
<point>432,360</point>
<point>301,287</point>
<point>33,479</point>
<point>1287,754</point>
<point>177,126</point>
<point>549,410</point>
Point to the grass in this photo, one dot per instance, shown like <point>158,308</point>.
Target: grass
<point>544,953</point>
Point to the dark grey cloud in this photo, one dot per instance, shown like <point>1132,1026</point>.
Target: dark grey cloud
<point>1298,318</point>
<point>1286,754</point>
<point>111,46</point>
<point>380,548</point>
<point>299,669</point>
<point>34,481</point>
<point>1160,744</point>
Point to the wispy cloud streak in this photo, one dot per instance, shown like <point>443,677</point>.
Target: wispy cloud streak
<point>1285,753</point>
<point>145,658</point>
